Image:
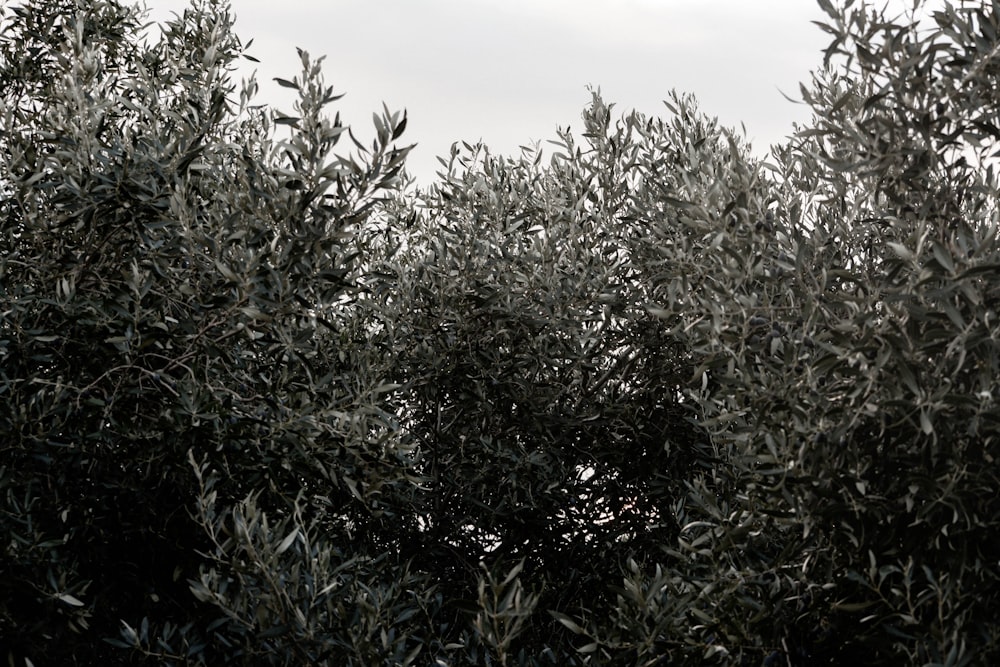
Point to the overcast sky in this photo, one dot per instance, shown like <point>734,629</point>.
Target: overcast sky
<point>510,71</point>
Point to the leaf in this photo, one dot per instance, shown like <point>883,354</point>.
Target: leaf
<point>70,600</point>
<point>130,634</point>
<point>380,127</point>
<point>925,422</point>
<point>655,311</point>
<point>285,83</point>
<point>287,542</point>
<point>943,257</point>
<point>398,131</point>
<point>827,7</point>
<point>844,99</point>
<point>226,272</point>
<point>902,251</point>
<point>352,487</point>
<point>566,621</point>
<point>851,607</point>
<point>516,570</point>
<point>702,616</point>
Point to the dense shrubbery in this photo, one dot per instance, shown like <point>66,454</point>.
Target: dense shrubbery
<point>165,380</point>
<point>645,400</point>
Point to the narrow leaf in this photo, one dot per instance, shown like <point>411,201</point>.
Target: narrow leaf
<point>567,621</point>
<point>287,542</point>
<point>902,251</point>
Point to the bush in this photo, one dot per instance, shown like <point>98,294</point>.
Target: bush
<point>176,419</point>
<point>646,400</point>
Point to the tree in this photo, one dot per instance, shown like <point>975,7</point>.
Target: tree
<point>183,454</point>
<point>863,419</point>
<point>542,395</point>
<point>645,400</point>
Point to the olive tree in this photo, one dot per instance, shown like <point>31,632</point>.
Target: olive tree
<point>849,359</point>
<point>635,397</point>
<point>190,432</point>
<point>544,394</point>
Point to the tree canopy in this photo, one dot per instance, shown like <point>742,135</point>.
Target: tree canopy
<point>637,397</point>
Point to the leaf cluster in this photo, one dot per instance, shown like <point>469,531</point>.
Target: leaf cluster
<point>630,397</point>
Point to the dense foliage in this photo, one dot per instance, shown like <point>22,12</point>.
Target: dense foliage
<point>639,398</point>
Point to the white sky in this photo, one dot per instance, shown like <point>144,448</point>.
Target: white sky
<point>510,71</point>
